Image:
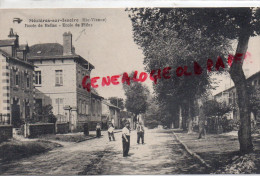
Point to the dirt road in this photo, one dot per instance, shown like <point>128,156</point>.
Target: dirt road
<point>161,154</point>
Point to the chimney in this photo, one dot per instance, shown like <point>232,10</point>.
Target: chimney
<point>67,43</point>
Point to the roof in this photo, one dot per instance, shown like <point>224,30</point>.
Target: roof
<point>46,51</point>
<point>7,42</point>
<point>253,76</point>
<point>16,59</point>
<point>95,93</point>
<point>110,105</point>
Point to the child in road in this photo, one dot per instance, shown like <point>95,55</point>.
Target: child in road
<point>140,132</point>
<point>111,132</point>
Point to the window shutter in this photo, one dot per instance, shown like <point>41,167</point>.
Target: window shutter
<point>61,80</point>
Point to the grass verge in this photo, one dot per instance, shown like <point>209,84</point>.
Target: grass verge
<point>77,137</point>
<point>13,149</point>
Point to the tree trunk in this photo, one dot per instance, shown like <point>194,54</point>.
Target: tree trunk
<point>190,126</point>
<point>237,75</point>
<point>180,118</point>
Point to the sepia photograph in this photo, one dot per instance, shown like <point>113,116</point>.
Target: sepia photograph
<point>130,91</point>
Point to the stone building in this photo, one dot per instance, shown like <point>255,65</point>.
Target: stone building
<point>110,114</point>
<point>229,96</point>
<point>17,90</point>
<point>58,79</point>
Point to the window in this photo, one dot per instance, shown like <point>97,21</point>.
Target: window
<point>93,107</point>
<point>83,107</point>
<point>16,78</point>
<point>58,78</point>
<point>59,106</point>
<point>27,81</point>
<point>79,107</point>
<point>38,78</point>
<point>86,109</point>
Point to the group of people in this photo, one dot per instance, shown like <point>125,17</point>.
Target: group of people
<point>125,135</point>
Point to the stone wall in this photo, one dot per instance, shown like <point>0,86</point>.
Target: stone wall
<point>34,130</point>
<point>62,128</point>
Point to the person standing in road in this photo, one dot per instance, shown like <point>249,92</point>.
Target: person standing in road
<point>98,130</point>
<point>111,132</point>
<point>126,139</point>
<point>140,132</point>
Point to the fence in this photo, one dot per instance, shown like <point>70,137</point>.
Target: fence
<point>6,132</point>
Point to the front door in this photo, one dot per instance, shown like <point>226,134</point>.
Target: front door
<point>16,120</point>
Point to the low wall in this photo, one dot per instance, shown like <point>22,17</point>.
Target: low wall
<point>92,125</point>
<point>34,130</point>
<point>62,128</point>
<point>6,132</point>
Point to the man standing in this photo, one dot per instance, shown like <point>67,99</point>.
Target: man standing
<point>126,139</point>
<point>140,132</point>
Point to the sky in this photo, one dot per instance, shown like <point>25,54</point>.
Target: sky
<point>108,45</point>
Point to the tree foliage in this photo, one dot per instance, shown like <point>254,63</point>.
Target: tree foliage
<point>117,102</point>
<point>136,97</point>
<point>214,108</point>
<point>155,31</point>
<point>172,36</point>
<point>43,114</point>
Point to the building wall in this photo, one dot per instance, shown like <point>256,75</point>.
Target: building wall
<point>105,110</point>
<point>24,92</point>
<point>83,96</point>
<point>230,96</point>
<point>58,96</point>
<point>96,109</point>
<point>18,95</point>
<point>4,89</point>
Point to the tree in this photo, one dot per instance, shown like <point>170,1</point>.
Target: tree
<point>213,24</point>
<point>233,24</point>
<point>117,102</point>
<point>136,97</point>
<point>164,47</point>
<point>43,114</point>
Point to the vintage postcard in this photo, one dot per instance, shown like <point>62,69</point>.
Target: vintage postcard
<point>130,91</point>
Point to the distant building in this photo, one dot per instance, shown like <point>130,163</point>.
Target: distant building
<point>17,90</point>
<point>110,113</point>
<point>58,79</point>
<point>229,96</point>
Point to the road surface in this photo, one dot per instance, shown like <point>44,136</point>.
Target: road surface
<point>161,154</point>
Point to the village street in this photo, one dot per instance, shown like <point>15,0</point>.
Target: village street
<point>161,154</point>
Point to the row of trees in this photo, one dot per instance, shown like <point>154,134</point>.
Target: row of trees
<point>181,36</point>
